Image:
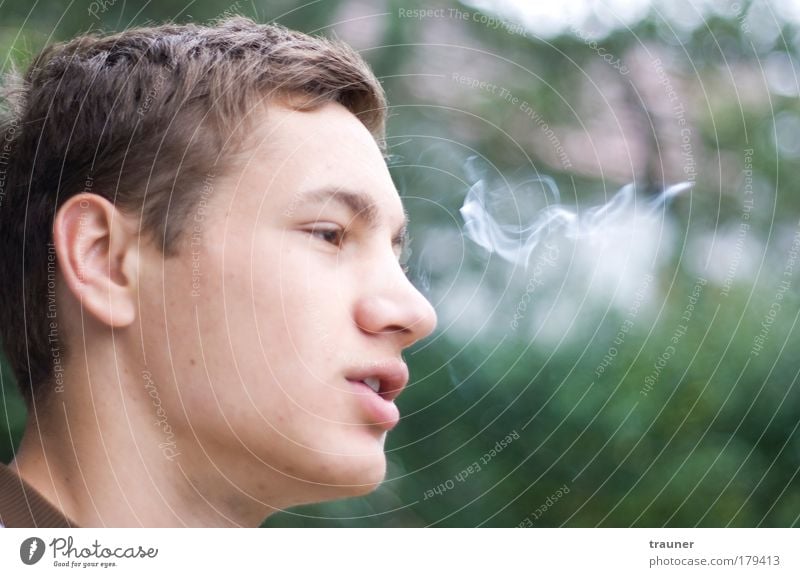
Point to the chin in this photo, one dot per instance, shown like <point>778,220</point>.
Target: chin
<point>343,477</point>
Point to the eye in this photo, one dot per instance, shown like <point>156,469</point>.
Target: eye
<point>330,234</point>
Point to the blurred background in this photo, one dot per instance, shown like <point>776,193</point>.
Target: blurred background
<point>607,354</point>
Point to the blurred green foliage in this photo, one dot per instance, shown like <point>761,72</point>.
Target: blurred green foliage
<point>714,440</point>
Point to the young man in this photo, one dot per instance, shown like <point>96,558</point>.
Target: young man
<point>202,298</point>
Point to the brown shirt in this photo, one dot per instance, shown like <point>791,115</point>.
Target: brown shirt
<point>23,506</point>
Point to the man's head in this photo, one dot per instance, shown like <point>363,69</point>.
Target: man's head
<point>207,210</point>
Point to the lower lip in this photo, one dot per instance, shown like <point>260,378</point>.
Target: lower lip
<point>383,413</point>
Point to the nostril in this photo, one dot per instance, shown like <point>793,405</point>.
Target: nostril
<point>390,329</point>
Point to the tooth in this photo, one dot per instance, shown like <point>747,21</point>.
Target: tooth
<point>373,383</point>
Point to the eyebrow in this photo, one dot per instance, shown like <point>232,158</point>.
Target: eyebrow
<point>362,207</point>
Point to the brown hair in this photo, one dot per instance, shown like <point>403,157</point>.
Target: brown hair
<point>139,117</point>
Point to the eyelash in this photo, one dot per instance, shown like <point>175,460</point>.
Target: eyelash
<point>321,233</point>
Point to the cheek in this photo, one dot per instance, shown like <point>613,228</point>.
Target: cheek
<point>266,324</point>
<point>301,298</point>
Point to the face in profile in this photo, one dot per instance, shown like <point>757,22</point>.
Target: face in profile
<point>275,335</point>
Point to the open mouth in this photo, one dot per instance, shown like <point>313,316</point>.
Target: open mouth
<point>388,385</point>
<point>372,383</point>
<point>385,381</point>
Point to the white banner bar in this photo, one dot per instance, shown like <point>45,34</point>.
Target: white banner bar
<point>399,552</point>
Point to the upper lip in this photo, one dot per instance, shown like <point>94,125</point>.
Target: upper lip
<point>392,374</point>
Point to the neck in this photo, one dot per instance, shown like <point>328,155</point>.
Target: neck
<point>109,457</point>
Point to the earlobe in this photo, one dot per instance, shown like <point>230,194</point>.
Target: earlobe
<point>98,258</point>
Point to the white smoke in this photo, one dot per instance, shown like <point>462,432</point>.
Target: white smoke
<point>605,250</point>
<point>514,242</point>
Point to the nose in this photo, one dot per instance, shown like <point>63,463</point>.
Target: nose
<point>393,307</point>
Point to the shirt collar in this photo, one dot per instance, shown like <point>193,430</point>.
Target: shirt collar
<point>23,506</point>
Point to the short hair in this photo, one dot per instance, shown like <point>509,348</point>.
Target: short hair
<point>139,117</point>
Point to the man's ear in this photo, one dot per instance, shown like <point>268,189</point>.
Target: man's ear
<point>97,250</point>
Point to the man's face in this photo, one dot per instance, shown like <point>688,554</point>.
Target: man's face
<point>287,293</point>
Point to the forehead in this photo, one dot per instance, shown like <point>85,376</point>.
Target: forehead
<point>289,152</point>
